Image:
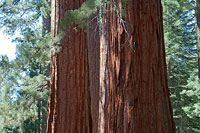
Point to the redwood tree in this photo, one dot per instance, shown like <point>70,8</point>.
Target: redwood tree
<point>69,101</point>
<point>115,82</point>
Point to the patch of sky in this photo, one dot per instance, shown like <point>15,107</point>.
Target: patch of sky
<point>7,47</point>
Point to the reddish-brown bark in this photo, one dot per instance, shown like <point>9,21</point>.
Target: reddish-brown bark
<point>69,99</point>
<point>93,62</point>
<point>134,95</point>
<point>115,83</point>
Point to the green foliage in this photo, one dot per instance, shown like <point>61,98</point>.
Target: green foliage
<point>23,81</point>
<point>17,15</point>
<point>19,97</point>
<point>33,48</point>
<point>79,16</point>
<point>180,41</point>
<point>188,4</point>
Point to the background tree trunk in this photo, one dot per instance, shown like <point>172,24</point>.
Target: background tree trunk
<point>40,116</point>
<point>198,33</point>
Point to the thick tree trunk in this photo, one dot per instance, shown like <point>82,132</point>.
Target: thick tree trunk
<point>115,83</point>
<point>134,95</point>
<point>69,99</point>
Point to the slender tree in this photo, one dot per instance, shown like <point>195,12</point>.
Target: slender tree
<point>198,33</point>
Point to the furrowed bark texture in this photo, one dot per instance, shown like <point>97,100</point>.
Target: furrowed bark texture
<point>69,99</point>
<point>115,83</point>
<point>94,65</point>
<point>133,94</point>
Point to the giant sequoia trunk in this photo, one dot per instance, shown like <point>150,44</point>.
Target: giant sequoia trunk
<point>68,103</point>
<point>115,83</point>
<point>134,95</point>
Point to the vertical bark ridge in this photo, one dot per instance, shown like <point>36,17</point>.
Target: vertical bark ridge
<point>103,74</point>
<point>135,92</point>
<point>94,71</point>
<point>69,101</point>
